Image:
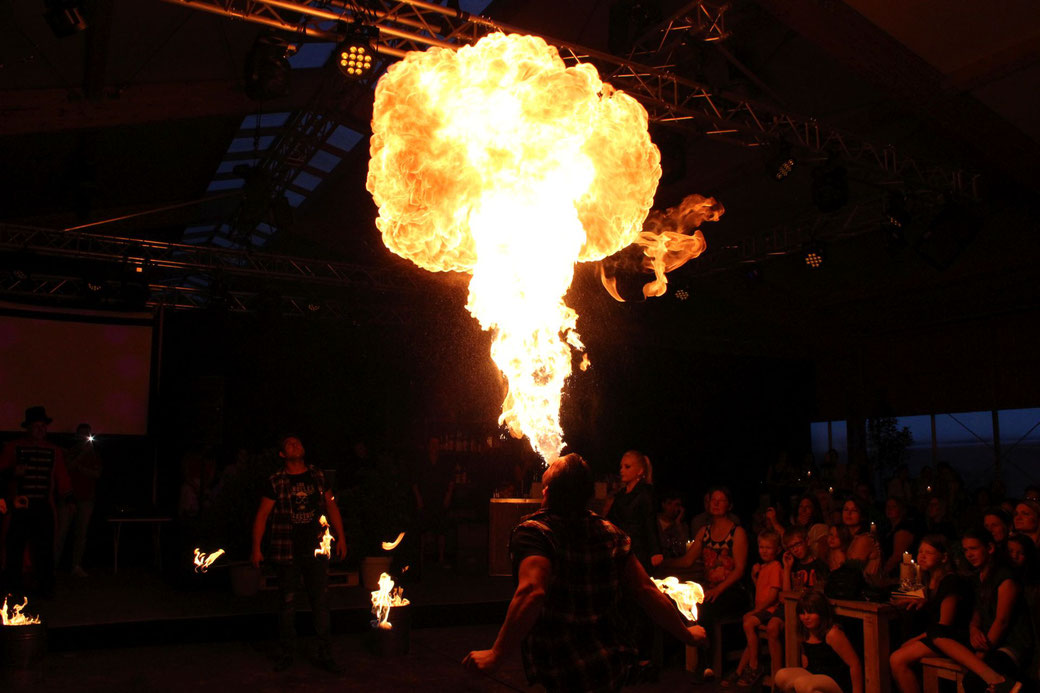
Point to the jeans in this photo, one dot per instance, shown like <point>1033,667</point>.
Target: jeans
<point>314,572</point>
<point>78,517</point>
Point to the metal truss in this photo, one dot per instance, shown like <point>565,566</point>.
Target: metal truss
<point>415,25</point>
<point>150,256</point>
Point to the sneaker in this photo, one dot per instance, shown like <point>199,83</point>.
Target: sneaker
<point>78,571</point>
<point>749,678</point>
<point>1005,686</point>
<point>282,662</point>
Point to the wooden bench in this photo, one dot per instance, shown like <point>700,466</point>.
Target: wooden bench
<point>715,643</point>
<point>935,668</point>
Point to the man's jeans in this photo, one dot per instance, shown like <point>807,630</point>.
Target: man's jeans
<point>314,571</point>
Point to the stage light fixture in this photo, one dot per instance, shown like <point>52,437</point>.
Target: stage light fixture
<point>355,54</point>
<point>815,254</point>
<point>894,219</point>
<point>779,160</point>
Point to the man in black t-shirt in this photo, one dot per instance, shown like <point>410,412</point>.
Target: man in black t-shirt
<point>295,499</point>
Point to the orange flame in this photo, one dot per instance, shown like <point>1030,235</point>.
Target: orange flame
<point>384,598</point>
<point>686,595</point>
<point>391,545</point>
<point>325,547</point>
<point>16,617</point>
<point>204,561</point>
<point>502,162</point>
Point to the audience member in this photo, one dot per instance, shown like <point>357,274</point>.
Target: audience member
<point>864,546</point>
<point>722,545</point>
<point>1032,493</point>
<point>998,524</point>
<point>924,487</point>
<point>838,540</point>
<point>37,483</point>
<point>767,578</point>
<point>947,610</point>
<point>809,516</point>
<point>632,509</point>
<point>900,536</point>
<point>433,488</point>
<point>672,532</point>
<point>829,662</point>
<point>936,519</point>
<point>84,467</point>
<point>1022,555</point>
<point>566,616</point>
<point>900,486</point>
<point>1027,519</point>
<point>703,519</point>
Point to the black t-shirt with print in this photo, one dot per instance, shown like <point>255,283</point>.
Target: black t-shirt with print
<point>304,507</point>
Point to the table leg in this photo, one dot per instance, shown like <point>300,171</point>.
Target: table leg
<point>791,633</point>
<point>875,647</point>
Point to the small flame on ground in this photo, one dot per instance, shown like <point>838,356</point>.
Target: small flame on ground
<point>204,561</point>
<point>325,547</point>
<point>391,545</point>
<point>16,617</point>
<point>384,598</point>
<point>686,595</point>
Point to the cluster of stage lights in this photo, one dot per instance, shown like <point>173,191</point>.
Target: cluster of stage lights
<point>355,60</point>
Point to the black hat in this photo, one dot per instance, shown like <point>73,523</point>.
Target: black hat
<point>34,414</point>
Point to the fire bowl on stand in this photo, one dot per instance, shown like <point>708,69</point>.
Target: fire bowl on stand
<point>393,641</point>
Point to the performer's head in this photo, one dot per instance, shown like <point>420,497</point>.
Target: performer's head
<point>567,485</point>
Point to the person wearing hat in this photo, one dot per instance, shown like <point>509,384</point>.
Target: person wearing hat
<point>35,475</point>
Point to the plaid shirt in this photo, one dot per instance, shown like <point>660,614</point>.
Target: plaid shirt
<point>580,642</point>
<point>280,548</point>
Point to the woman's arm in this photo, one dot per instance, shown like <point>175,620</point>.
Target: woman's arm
<point>693,552</point>
<point>1007,595</point>
<point>841,645</point>
<point>948,609</point>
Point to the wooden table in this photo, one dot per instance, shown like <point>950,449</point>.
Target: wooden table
<point>876,647</point>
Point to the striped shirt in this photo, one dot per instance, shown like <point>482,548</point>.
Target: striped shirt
<point>35,469</point>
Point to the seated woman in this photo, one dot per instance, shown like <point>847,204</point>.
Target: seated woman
<point>829,662</point>
<point>899,537</point>
<point>838,540</point>
<point>809,516</point>
<point>864,546</point>
<point>1000,636</point>
<point>1027,519</point>
<point>723,546</point>
<point>998,524</point>
<point>947,610</point>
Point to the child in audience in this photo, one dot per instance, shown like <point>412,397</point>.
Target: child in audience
<point>802,570</point>
<point>946,607</point>
<point>767,578</point>
<point>829,662</point>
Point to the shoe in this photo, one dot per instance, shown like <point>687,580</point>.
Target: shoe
<point>1005,686</point>
<point>282,662</point>
<point>326,661</point>
<point>730,679</point>
<point>77,571</point>
<point>749,677</point>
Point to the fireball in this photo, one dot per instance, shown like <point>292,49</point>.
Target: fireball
<point>501,162</point>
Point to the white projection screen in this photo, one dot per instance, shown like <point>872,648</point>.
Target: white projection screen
<point>83,367</point>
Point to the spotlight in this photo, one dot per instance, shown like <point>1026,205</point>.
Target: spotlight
<point>779,160</point>
<point>815,253</point>
<point>830,186</point>
<point>355,52</point>
<point>267,69</point>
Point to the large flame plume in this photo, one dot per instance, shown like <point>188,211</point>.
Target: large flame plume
<point>500,161</point>
<point>686,595</point>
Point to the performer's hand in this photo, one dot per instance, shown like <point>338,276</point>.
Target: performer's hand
<point>21,502</point>
<point>699,635</point>
<point>256,558</point>
<point>3,506</point>
<point>485,661</point>
<point>657,559</point>
<point>341,550</point>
